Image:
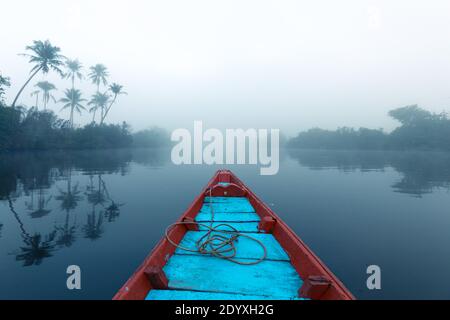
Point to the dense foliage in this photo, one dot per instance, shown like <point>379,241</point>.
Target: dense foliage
<point>419,129</point>
<point>154,137</point>
<point>41,130</point>
<point>342,138</point>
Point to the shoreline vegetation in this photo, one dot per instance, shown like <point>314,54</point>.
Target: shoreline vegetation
<point>419,130</point>
<point>39,128</point>
<point>33,128</point>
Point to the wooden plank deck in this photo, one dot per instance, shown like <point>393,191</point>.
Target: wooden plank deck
<point>193,276</point>
<point>243,227</point>
<point>200,273</point>
<point>199,295</point>
<point>246,248</point>
<point>228,207</point>
<point>230,217</point>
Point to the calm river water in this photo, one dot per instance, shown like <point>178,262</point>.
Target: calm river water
<point>105,210</point>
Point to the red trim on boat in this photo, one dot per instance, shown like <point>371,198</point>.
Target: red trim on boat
<point>307,264</point>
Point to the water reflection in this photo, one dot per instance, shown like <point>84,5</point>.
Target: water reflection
<point>67,187</point>
<point>421,171</point>
<point>42,201</point>
<point>66,234</point>
<point>34,248</point>
<point>71,191</point>
<point>93,229</point>
<point>70,197</point>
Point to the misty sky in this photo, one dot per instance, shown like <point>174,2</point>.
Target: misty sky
<point>269,64</point>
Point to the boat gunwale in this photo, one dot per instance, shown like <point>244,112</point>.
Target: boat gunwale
<point>323,269</point>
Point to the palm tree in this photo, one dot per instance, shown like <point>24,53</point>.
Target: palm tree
<point>46,88</point>
<point>73,101</point>
<point>98,75</point>
<point>73,70</point>
<point>44,57</point>
<point>98,101</point>
<point>116,89</point>
<point>36,93</point>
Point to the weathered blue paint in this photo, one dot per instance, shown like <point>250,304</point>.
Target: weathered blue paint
<point>229,207</point>
<point>246,248</point>
<point>235,209</point>
<point>199,295</point>
<point>222,216</point>
<point>239,226</point>
<point>272,279</point>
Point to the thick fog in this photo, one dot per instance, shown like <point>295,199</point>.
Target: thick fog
<point>291,64</point>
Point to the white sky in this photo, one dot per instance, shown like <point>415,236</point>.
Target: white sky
<point>267,64</point>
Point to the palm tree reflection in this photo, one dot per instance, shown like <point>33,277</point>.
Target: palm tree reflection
<point>36,248</point>
<point>93,229</point>
<point>41,210</point>
<point>96,196</point>
<point>113,211</point>
<point>66,233</point>
<point>69,198</point>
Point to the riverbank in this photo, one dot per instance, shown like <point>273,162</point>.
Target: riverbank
<point>44,130</point>
<point>419,130</point>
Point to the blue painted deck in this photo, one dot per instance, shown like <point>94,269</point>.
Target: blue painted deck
<point>243,227</point>
<point>226,200</point>
<point>193,276</point>
<point>199,295</point>
<point>228,217</point>
<point>246,248</point>
<point>222,216</point>
<point>228,207</point>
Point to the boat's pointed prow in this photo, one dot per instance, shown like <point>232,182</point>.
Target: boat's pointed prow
<point>201,258</point>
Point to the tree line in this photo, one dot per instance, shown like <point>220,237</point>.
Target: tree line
<point>39,127</point>
<point>419,130</point>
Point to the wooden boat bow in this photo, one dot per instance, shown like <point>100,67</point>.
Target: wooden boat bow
<point>292,270</point>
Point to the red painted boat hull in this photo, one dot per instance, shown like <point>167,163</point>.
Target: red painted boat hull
<point>319,282</point>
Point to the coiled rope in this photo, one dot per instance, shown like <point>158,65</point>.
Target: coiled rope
<point>217,242</point>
